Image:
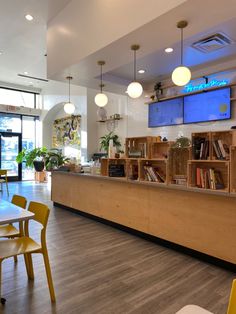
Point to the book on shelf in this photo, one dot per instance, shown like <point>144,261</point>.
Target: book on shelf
<point>221,149</point>
<point>153,174</point>
<point>209,179</point>
<point>200,148</point>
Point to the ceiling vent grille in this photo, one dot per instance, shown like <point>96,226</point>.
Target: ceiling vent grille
<point>212,43</point>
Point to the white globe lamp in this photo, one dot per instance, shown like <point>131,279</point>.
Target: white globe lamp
<point>135,90</point>
<point>101,100</point>
<point>69,108</point>
<point>181,76</point>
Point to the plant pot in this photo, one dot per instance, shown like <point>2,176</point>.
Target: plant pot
<point>38,165</point>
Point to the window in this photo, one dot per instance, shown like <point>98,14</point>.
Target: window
<point>10,123</point>
<point>17,98</point>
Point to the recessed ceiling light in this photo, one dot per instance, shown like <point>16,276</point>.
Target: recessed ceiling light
<point>169,50</point>
<point>141,71</point>
<point>29,17</point>
<point>25,72</point>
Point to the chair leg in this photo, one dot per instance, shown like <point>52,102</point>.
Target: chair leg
<point>3,301</point>
<point>27,265</point>
<point>49,276</point>
<point>7,188</point>
<point>15,259</point>
<point>31,267</point>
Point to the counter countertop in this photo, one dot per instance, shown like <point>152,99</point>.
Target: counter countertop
<point>153,184</point>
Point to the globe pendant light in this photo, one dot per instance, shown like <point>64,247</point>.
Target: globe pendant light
<point>101,99</point>
<point>135,89</point>
<point>181,75</point>
<point>69,108</point>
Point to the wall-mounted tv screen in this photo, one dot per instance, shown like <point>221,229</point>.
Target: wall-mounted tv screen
<point>168,112</point>
<point>208,106</point>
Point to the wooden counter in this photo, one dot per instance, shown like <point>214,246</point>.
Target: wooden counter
<point>205,222</point>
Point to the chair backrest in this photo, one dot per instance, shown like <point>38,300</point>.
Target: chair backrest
<point>19,200</point>
<point>3,172</point>
<point>232,299</point>
<point>41,212</point>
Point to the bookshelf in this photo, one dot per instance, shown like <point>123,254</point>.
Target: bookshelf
<point>201,146</point>
<point>221,143</point>
<point>139,147</point>
<point>209,175</point>
<point>153,170</point>
<point>233,169</point>
<point>160,150</point>
<point>177,166</point>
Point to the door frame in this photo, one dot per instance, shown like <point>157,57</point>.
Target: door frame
<point>11,134</point>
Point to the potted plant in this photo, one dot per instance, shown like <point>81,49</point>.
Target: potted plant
<point>55,159</point>
<point>33,158</point>
<point>158,90</point>
<point>104,141</point>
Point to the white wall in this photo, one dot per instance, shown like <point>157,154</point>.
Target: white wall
<point>116,104</point>
<point>53,98</point>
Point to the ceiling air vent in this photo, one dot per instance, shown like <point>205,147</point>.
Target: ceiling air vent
<point>212,43</point>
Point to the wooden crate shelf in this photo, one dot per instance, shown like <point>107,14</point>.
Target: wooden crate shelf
<point>132,169</point>
<point>178,165</point>
<point>220,168</point>
<point>160,149</point>
<point>153,170</point>
<point>225,139</point>
<point>201,146</point>
<point>139,147</point>
<point>233,169</point>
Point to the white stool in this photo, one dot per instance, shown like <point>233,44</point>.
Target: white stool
<point>193,309</point>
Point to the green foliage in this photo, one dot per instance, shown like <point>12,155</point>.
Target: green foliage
<point>31,155</point>
<point>182,142</point>
<point>52,158</point>
<point>104,141</point>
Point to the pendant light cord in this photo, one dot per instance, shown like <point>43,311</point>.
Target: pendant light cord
<point>134,65</point>
<point>182,43</point>
<point>69,89</point>
<point>101,79</point>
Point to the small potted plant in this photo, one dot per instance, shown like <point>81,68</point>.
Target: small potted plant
<point>104,141</point>
<point>158,90</point>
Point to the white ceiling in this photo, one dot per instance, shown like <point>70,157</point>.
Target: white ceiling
<point>24,43</point>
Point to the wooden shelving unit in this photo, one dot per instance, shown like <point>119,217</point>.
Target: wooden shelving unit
<point>201,146</point>
<point>160,150</point>
<point>177,166</point>
<point>233,169</point>
<point>205,168</point>
<point>153,170</point>
<point>139,147</point>
<point>225,138</point>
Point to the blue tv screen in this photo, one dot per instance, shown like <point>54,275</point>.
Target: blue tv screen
<point>208,106</point>
<point>168,112</point>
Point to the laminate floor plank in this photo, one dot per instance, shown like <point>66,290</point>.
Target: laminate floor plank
<point>101,270</point>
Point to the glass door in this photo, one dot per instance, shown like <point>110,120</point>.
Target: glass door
<point>10,146</point>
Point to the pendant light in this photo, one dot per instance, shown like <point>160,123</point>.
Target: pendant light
<point>101,99</point>
<point>181,75</point>
<point>135,89</point>
<point>69,108</point>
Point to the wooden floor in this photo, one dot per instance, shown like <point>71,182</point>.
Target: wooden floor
<point>98,269</point>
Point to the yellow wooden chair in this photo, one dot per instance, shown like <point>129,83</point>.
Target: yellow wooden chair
<point>3,179</point>
<point>194,309</point>
<point>26,245</point>
<point>9,231</point>
<point>232,299</point>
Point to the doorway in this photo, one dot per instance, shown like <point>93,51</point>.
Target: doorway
<point>10,146</point>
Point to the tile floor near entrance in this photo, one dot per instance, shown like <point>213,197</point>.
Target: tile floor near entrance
<point>100,270</point>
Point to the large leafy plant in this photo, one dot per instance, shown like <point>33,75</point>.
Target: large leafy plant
<point>29,156</point>
<point>104,141</point>
<point>52,158</point>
